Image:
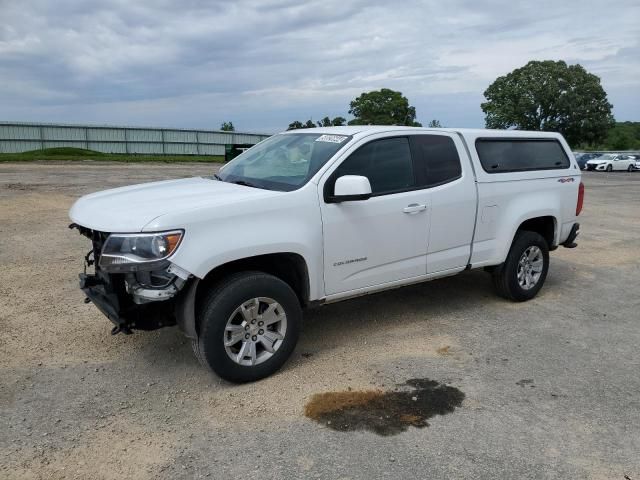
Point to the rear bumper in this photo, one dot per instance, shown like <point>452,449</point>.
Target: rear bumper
<point>573,234</point>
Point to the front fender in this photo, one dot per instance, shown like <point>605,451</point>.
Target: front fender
<point>285,223</point>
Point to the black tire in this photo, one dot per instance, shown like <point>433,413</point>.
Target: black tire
<point>220,304</point>
<point>505,278</point>
<point>630,169</point>
<point>609,168</point>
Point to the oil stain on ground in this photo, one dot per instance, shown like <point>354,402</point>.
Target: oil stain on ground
<point>384,412</point>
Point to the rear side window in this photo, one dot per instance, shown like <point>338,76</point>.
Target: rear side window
<point>386,163</point>
<point>437,159</point>
<point>499,155</point>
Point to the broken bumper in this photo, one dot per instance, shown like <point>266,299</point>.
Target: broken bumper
<point>96,294</point>
<point>119,308</point>
<point>140,300</point>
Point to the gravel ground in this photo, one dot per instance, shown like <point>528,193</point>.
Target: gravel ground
<point>550,387</point>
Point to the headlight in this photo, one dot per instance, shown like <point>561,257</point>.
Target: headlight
<point>138,251</point>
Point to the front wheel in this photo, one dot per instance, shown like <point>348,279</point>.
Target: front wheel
<point>609,168</point>
<point>248,326</point>
<point>524,271</point>
<point>630,169</point>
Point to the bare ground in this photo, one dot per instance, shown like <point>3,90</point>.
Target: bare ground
<point>550,386</point>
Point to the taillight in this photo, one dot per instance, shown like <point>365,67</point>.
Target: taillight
<point>580,199</point>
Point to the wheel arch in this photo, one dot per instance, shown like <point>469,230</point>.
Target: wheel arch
<point>287,266</point>
<point>546,225</point>
<point>544,222</point>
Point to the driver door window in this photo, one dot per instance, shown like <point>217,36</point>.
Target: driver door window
<point>386,163</point>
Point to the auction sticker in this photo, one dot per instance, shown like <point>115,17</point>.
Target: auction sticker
<point>331,138</point>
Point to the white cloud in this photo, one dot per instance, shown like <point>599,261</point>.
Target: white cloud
<point>264,63</point>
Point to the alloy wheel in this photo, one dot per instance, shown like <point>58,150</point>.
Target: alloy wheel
<point>255,331</point>
<point>530,267</point>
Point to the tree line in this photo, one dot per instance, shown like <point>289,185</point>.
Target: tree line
<point>380,107</point>
<point>540,96</point>
<point>622,136</point>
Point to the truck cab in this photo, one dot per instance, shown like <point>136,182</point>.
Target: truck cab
<point>320,215</point>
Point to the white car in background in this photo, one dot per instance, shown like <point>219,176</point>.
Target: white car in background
<point>612,161</point>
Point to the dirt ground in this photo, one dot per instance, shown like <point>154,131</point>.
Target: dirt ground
<point>550,387</point>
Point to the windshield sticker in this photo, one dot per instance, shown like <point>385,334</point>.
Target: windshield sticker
<point>331,138</point>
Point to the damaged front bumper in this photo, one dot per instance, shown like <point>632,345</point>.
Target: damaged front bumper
<point>121,308</point>
<point>96,293</point>
<point>142,300</point>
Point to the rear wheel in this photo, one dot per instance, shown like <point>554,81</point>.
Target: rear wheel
<point>249,325</point>
<point>524,271</point>
<point>630,169</point>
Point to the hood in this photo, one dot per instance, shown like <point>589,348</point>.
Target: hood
<point>129,209</point>
<point>598,162</point>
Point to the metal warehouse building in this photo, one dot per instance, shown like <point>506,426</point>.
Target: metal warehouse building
<point>18,137</point>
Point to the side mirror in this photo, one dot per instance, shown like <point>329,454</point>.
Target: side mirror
<point>349,188</point>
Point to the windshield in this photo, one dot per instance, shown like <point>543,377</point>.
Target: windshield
<point>283,162</point>
<point>607,156</point>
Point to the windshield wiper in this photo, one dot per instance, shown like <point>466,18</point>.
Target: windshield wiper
<point>237,182</point>
<point>245,184</point>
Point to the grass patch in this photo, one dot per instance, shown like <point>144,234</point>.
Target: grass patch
<point>70,153</point>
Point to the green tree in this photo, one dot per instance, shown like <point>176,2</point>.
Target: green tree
<point>550,96</point>
<point>227,127</point>
<point>382,107</point>
<point>621,138</point>
<point>434,124</point>
<point>335,122</point>
<point>297,124</point>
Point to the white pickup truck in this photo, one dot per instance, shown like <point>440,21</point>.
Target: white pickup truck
<point>314,216</point>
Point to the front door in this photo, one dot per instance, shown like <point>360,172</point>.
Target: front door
<point>381,239</point>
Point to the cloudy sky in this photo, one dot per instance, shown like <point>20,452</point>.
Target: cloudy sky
<point>264,63</point>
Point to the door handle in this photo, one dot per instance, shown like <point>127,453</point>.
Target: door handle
<point>414,208</point>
